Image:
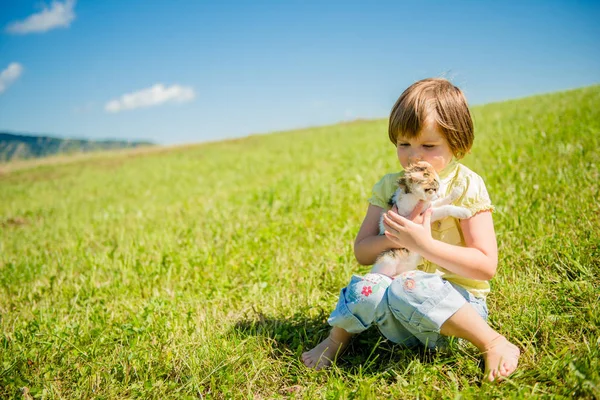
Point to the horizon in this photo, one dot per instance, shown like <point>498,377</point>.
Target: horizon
<point>198,73</point>
<point>359,119</point>
<point>225,138</point>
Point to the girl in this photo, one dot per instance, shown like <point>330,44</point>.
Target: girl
<point>446,296</point>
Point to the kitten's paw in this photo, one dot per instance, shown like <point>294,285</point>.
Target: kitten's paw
<point>455,194</point>
<point>462,213</point>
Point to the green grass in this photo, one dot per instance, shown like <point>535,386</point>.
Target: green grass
<point>204,272</point>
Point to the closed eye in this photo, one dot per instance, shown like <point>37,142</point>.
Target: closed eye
<point>429,146</point>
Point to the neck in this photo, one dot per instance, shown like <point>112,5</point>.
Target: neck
<point>448,169</point>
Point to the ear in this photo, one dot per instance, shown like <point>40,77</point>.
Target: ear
<point>402,184</point>
<point>401,181</point>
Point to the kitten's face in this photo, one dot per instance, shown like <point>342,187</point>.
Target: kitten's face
<point>422,180</point>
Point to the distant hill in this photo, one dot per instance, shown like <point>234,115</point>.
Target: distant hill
<point>15,146</point>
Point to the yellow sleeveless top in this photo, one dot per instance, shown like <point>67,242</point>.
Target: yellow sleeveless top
<point>474,197</point>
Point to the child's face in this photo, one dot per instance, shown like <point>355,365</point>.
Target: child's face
<point>430,146</point>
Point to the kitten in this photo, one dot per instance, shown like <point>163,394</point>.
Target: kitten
<point>419,182</point>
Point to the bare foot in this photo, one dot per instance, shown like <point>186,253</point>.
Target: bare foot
<point>323,354</point>
<point>501,359</point>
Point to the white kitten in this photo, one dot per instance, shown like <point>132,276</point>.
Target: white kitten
<point>419,182</point>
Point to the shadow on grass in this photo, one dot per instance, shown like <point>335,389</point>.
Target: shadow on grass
<point>368,354</point>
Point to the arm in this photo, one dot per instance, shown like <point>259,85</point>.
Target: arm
<point>478,260</point>
<point>369,243</point>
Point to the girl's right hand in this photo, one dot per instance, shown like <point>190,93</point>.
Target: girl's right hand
<point>414,216</point>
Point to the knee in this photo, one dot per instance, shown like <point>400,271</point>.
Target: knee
<point>369,290</point>
<point>413,288</point>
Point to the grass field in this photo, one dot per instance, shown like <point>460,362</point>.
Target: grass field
<point>205,271</point>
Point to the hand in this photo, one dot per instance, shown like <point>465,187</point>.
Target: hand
<point>413,233</point>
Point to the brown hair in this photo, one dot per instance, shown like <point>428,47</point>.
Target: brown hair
<point>439,99</point>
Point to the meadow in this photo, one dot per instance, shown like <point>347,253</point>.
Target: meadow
<point>205,271</point>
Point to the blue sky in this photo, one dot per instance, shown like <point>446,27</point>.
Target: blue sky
<point>202,70</point>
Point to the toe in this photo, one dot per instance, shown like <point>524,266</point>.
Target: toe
<point>510,367</point>
<point>306,359</point>
<point>503,370</point>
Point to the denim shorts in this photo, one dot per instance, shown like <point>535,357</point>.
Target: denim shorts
<point>408,310</point>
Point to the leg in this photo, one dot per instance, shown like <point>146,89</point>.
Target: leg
<point>501,357</point>
<point>362,303</point>
<point>450,211</point>
<point>456,193</point>
<point>323,354</point>
<point>432,309</point>
<point>422,302</point>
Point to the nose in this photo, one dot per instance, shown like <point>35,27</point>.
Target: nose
<point>414,157</point>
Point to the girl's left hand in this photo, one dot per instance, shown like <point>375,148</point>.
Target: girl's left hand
<point>408,234</point>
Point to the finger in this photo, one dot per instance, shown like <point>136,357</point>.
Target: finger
<point>388,227</point>
<point>391,236</point>
<point>402,221</point>
<point>417,210</point>
<point>427,217</point>
<point>392,227</point>
<point>394,224</point>
<point>397,218</point>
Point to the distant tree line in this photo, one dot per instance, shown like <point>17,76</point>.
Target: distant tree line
<point>15,146</point>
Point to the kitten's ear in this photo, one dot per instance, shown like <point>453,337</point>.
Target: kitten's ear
<point>402,184</point>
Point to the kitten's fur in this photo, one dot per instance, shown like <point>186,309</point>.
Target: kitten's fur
<point>419,182</point>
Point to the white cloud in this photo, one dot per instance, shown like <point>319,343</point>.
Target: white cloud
<point>9,75</point>
<point>153,96</point>
<point>58,15</point>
